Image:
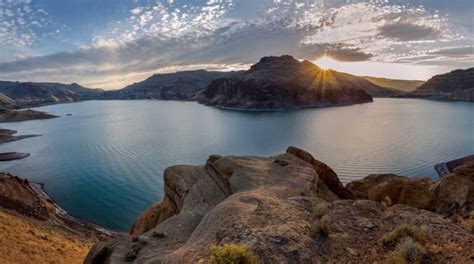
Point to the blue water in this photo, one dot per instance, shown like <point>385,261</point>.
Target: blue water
<point>105,162</point>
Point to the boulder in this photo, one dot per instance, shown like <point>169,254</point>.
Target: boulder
<point>393,189</point>
<point>454,194</point>
<point>325,173</point>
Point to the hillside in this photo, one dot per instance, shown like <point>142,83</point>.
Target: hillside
<point>400,85</point>
<point>34,230</point>
<point>457,85</point>
<point>170,86</point>
<point>29,92</point>
<point>284,82</point>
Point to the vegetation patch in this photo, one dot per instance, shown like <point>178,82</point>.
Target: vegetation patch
<point>393,238</point>
<point>321,221</point>
<point>233,254</point>
<point>408,251</point>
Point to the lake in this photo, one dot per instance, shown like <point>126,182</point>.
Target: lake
<point>104,163</point>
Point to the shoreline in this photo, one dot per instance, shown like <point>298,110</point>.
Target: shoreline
<point>65,216</point>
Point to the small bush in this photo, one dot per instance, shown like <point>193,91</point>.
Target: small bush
<point>408,251</point>
<point>319,209</point>
<point>391,239</point>
<point>233,254</point>
<point>468,222</point>
<point>320,227</point>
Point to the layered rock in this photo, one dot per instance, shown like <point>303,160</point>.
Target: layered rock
<point>7,115</point>
<point>186,85</point>
<point>284,82</point>
<point>457,85</point>
<point>269,204</point>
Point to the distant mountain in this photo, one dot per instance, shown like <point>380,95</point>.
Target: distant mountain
<point>30,92</point>
<point>185,85</point>
<point>457,85</point>
<point>400,85</point>
<point>284,82</point>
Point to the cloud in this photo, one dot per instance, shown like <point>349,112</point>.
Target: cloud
<point>402,31</point>
<point>168,33</point>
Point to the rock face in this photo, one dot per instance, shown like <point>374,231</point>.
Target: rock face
<point>457,85</point>
<point>393,189</point>
<point>268,204</point>
<point>452,196</point>
<point>284,82</point>
<point>185,85</point>
<point>30,93</point>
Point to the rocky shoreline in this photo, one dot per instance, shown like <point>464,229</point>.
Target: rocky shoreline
<point>292,208</point>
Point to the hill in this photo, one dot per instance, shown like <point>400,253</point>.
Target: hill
<point>185,85</point>
<point>457,85</point>
<point>284,82</point>
<point>400,85</point>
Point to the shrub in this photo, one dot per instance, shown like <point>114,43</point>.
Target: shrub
<point>391,239</point>
<point>320,227</point>
<point>319,209</point>
<point>468,222</point>
<point>233,254</point>
<point>408,251</point>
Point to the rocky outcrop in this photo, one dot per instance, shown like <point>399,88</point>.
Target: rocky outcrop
<point>186,85</point>
<point>8,135</point>
<point>284,82</point>
<point>452,196</point>
<point>269,204</point>
<point>457,85</point>
<point>393,189</point>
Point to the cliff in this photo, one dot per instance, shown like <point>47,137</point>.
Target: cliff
<point>292,208</point>
<point>35,230</point>
<point>457,85</point>
<point>284,82</point>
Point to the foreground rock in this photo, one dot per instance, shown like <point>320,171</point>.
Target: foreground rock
<point>284,82</point>
<point>270,205</point>
<point>457,85</point>
<point>35,230</point>
<point>452,196</point>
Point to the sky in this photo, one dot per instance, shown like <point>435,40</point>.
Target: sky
<point>111,43</point>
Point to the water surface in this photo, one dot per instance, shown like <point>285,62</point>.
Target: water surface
<point>105,162</point>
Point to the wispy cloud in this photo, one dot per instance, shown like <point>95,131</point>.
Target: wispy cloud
<point>166,33</point>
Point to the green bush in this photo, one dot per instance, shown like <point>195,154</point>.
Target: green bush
<point>408,251</point>
<point>391,239</point>
<point>319,209</point>
<point>233,254</point>
<point>320,227</point>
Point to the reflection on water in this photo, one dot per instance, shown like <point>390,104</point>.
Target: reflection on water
<point>105,162</point>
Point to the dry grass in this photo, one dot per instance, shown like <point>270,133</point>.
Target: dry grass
<point>468,223</point>
<point>319,209</point>
<point>408,251</point>
<point>233,254</point>
<point>27,240</point>
<point>394,237</point>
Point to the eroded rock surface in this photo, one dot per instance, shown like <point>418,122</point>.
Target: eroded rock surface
<point>268,204</point>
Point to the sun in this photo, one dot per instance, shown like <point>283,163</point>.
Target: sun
<point>325,62</point>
